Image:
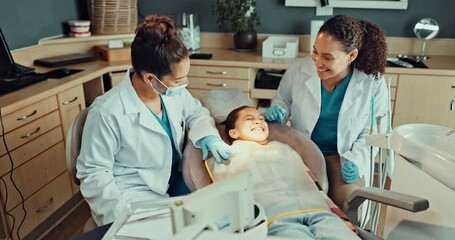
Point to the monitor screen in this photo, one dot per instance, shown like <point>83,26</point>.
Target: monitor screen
<point>6,60</point>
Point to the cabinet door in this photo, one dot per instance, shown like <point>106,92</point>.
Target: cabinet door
<point>116,77</point>
<point>425,99</point>
<point>41,205</point>
<point>70,103</point>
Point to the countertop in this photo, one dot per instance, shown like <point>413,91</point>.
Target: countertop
<point>438,65</point>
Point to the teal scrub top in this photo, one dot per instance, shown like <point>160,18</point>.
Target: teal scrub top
<point>325,131</point>
<point>177,184</point>
<point>164,122</point>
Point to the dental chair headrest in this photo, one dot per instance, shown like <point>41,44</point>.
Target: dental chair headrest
<point>220,102</point>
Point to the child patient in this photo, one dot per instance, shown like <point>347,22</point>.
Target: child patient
<point>293,204</point>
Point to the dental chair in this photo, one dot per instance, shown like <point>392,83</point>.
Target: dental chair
<point>221,102</point>
<point>73,147</point>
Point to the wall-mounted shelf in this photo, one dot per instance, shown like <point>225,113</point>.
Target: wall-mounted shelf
<point>372,4</point>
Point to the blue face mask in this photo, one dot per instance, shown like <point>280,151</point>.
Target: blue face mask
<point>170,91</point>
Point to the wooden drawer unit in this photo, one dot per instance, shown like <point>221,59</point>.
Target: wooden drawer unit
<point>30,131</point>
<point>34,138</point>
<point>220,72</point>
<point>203,78</point>
<point>217,83</point>
<point>34,175</point>
<point>30,150</point>
<point>28,114</point>
<point>42,204</point>
<point>70,103</point>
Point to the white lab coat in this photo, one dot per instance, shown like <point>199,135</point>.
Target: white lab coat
<point>126,155</point>
<point>300,94</point>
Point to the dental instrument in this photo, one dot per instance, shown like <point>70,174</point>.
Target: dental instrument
<point>385,163</point>
<point>366,213</point>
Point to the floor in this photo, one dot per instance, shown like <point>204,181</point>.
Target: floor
<point>71,226</point>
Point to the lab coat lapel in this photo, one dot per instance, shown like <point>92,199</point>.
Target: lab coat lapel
<point>147,120</point>
<point>313,83</point>
<point>174,116</point>
<point>314,86</point>
<point>134,106</point>
<point>354,91</point>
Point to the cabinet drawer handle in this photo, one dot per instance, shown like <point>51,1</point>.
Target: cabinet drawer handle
<point>217,72</point>
<point>452,105</point>
<point>26,116</point>
<point>46,206</point>
<point>30,134</point>
<point>70,101</point>
<point>217,84</point>
<point>453,86</point>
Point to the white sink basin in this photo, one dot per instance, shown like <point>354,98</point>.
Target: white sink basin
<point>429,147</point>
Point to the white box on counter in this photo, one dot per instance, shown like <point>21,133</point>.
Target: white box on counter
<point>280,47</point>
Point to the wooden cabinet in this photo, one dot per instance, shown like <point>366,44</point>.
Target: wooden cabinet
<point>92,89</point>
<point>425,99</point>
<point>70,103</point>
<point>116,77</point>
<point>203,78</point>
<point>33,160</point>
<point>393,80</point>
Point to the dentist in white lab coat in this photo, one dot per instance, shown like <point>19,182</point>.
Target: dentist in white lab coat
<point>133,137</point>
<point>329,98</point>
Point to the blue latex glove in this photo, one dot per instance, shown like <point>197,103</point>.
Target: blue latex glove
<point>275,113</point>
<point>349,172</point>
<point>216,146</point>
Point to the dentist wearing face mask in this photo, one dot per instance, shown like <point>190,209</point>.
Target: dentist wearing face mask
<point>133,137</point>
<point>328,98</point>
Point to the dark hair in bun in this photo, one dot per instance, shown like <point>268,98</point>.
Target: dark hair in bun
<point>156,46</point>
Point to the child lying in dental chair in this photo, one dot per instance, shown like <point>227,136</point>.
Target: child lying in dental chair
<point>292,203</point>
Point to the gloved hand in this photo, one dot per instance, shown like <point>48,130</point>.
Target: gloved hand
<point>349,172</point>
<point>217,146</point>
<point>275,113</point>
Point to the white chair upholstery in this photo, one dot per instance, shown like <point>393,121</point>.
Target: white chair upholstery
<point>73,147</point>
<point>220,103</point>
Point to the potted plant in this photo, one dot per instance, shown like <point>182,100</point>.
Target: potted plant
<point>243,19</point>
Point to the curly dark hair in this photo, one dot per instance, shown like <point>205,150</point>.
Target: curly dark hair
<point>366,37</point>
<point>156,47</point>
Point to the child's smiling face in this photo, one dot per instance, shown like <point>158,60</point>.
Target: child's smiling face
<point>250,126</point>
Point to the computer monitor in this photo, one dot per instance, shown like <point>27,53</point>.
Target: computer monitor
<point>8,68</point>
<point>6,59</point>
